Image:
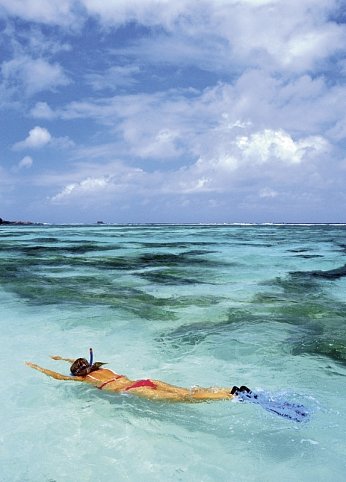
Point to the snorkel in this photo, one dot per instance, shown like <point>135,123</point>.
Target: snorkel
<point>82,367</point>
<point>91,356</point>
<point>96,365</point>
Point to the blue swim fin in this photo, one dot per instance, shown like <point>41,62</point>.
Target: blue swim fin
<point>291,411</point>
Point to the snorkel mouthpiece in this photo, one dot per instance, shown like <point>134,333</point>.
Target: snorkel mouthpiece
<point>91,356</point>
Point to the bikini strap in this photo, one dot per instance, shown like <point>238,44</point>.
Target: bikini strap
<point>110,381</point>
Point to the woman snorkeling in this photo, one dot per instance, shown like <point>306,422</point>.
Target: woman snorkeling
<point>94,374</point>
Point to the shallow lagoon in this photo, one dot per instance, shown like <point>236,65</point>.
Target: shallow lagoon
<point>209,305</point>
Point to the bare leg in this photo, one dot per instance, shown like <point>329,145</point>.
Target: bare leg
<point>202,394</point>
<point>198,393</point>
<point>178,394</point>
<point>57,376</point>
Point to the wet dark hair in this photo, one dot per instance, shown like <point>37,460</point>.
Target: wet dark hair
<point>80,366</point>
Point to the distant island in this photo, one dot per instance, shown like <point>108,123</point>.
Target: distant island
<point>17,223</point>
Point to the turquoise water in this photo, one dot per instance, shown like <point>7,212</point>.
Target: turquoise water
<point>262,306</point>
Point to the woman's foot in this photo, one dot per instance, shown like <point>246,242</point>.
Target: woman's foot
<point>243,389</point>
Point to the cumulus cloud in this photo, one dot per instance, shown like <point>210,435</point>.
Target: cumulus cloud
<point>113,78</point>
<point>287,35</point>
<point>104,183</point>
<point>255,158</point>
<point>53,12</point>
<point>42,110</point>
<point>83,189</point>
<point>33,75</point>
<point>26,162</point>
<point>268,145</point>
<point>162,144</point>
<point>40,137</point>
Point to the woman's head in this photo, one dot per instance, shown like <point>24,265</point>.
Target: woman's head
<point>80,367</point>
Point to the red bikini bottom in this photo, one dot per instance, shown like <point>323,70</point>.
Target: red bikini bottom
<point>142,383</point>
<point>137,384</point>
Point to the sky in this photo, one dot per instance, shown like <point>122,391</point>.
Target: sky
<point>206,111</point>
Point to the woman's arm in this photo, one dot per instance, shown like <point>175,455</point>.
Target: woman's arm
<point>57,376</point>
<point>57,357</point>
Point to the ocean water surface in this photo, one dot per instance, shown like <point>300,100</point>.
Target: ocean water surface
<point>201,305</point>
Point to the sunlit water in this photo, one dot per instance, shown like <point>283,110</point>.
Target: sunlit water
<point>262,306</point>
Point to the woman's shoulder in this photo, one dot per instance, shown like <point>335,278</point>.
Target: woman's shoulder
<point>106,371</point>
<point>101,375</point>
